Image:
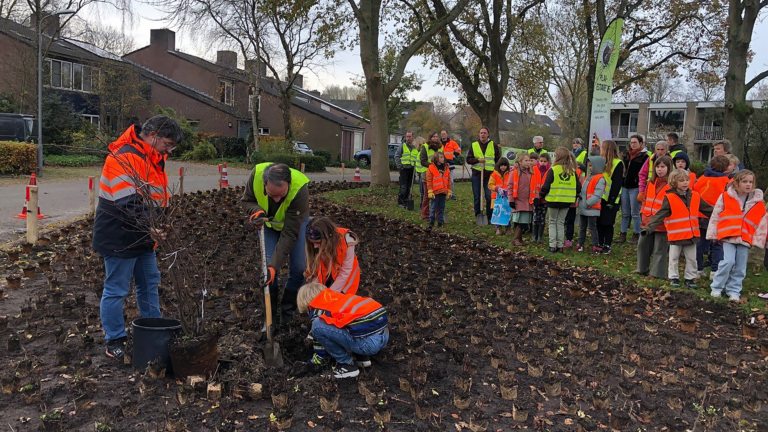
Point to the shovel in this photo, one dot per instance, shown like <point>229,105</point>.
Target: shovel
<point>272,355</point>
<point>409,203</point>
<point>482,219</point>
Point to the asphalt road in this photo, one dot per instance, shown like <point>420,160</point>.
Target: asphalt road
<point>64,201</point>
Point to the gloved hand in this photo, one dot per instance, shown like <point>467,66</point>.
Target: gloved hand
<point>257,219</point>
<point>512,205</point>
<point>536,201</point>
<point>449,195</point>
<point>431,195</point>
<point>640,197</point>
<point>270,276</point>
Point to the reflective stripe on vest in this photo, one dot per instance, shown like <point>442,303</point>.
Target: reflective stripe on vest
<point>591,186</point>
<point>653,199</point>
<point>532,186</point>
<point>343,308</point>
<point>735,223</point>
<point>609,182</point>
<point>135,168</point>
<point>409,157</point>
<point>440,181</point>
<point>350,287</point>
<point>298,179</point>
<point>490,155</point>
<point>683,224</point>
<point>502,183</point>
<point>563,188</point>
<point>421,168</point>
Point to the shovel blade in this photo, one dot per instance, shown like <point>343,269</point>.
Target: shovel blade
<point>409,205</point>
<point>273,357</point>
<point>482,220</point>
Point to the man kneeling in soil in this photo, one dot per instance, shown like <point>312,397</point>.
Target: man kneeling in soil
<point>343,324</point>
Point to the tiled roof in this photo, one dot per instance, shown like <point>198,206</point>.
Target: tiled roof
<point>509,120</point>
<point>57,48</point>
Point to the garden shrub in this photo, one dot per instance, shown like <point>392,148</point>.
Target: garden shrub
<point>698,167</point>
<point>17,158</point>
<point>326,154</point>
<point>202,151</point>
<point>73,160</point>
<point>275,145</point>
<point>313,163</point>
<point>229,147</point>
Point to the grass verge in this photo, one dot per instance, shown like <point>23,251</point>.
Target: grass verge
<point>620,263</point>
<point>54,175</point>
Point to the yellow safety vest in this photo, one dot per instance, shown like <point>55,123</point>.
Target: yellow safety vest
<point>563,187</point>
<point>430,152</point>
<point>409,157</point>
<point>490,156</point>
<point>298,179</point>
<point>608,181</point>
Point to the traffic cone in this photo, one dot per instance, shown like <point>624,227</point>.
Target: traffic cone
<point>224,179</point>
<point>33,180</point>
<point>23,214</point>
<point>356,178</point>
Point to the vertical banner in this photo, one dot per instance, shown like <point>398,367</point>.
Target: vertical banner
<point>607,57</point>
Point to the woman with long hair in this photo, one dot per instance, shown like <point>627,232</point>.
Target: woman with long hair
<point>609,206</point>
<point>331,258</point>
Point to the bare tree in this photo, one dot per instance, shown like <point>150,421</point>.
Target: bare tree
<point>662,85</point>
<point>344,92</point>
<point>110,39</point>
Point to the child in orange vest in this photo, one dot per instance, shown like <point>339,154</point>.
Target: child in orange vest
<point>331,259</point>
<point>592,189</point>
<point>523,189</point>
<point>652,248</point>
<point>711,186</point>
<point>347,327</point>
<point>539,204</point>
<point>738,221</point>
<point>679,211</point>
<point>498,186</point>
<point>681,161</point>
<point>438,188</point>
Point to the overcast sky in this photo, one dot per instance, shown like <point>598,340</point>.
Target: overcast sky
<point>346,65</point>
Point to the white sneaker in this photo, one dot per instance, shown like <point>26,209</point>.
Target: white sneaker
<point>702,274</point>
<point>734,298</point>
<point>716,294</point>
<point>712,276</point>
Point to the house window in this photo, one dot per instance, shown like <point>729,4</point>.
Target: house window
<point>92,119</point>
<point>325,107</point>
<point>227,92</point>
<point>305,100</point>
<point>89,76</point>
<point>56,74</point>
<point>263,131</point>
<point>77,76</point>
<point>666,120</point>
<point>250,101</point>
<point>74,76</point>
<point>194,125</point>
<point>66,75</point>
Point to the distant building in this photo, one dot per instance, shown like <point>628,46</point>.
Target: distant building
<point>699,124</point>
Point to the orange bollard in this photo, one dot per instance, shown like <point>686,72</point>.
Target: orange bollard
<point>357,178</point>
<point>224,178</point>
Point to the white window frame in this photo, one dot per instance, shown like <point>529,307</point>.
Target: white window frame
<point>194,125</point>
<point>94,74</point>
<point>263,131</point>
<point>325,107</point>
<point>92,119</point>
<point>685,116</point>
<point>227,89</point>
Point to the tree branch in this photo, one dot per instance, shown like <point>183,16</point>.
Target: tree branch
<point>762,75</point>
<point>650,68</point>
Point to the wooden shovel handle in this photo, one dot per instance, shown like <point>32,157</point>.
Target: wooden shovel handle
<point>268,303</point>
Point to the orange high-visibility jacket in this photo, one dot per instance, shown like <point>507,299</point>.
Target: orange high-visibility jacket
<point>350,286</point>
<point>502,183</point>
<point>133,182</point>
<point>534,188</point>
<point>342,309</point>
<point>692,182</point>
<point>683,224</point>
<point>653,198</point>
<point>437,182</point>
<point>710,188</point>
<point>591,186</point>
<point>451,149</point>
<point>734,223</point>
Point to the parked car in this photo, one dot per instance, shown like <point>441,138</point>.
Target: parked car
<point>363,157</point>
<point>302,148</point>
<point>17,127</point>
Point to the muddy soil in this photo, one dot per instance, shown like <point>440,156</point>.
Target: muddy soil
<point>481,339</point>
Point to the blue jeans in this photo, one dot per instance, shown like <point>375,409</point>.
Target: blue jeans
<point>476,193</point>
<point>117,286</point>
<point>297,259</point>
<point>437,209</point>
<point>704,246</point>
<point>338,342</point>
<point>732,271</point>
<point>630,210</point>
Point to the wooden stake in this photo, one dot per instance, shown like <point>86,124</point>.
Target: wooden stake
<point>181,181</point>
<point>32,228</point>
<point>91,198</point>
<point>302,167</point>
<point>220,177</point>
<point>342,171</point>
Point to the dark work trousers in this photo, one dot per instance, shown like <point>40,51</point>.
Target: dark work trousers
<point>714,248</point>
<point>606,221</point>
<point>406,180</point>
<point>424,197</point>
<point>570,223</point>
<point>476,193</point>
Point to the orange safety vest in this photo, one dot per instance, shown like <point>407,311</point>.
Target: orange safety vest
<point>441,182</point>
<point>499,182</point>
<point>683,224</point>
<point>451,149</point>
<point>533,188</point>
<point>343,308</point>
<point>653,199</point>
<point>591,186</point>
<point>710,188</point>
<point>734,223</point>
<point>692,182</point>
<point>134,167</point>
<point>341,252</point>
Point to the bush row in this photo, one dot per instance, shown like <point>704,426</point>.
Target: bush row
<point>311,163</point>
<point>73,160</point>
<point>17,158</point>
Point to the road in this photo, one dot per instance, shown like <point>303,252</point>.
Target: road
<point>64,201</point>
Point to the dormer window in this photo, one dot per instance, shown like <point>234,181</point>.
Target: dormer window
<point>227,92</point>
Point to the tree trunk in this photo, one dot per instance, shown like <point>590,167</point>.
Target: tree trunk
<point>737,110</point>
<point>285,107</point>
<point>491,121</point>
<point>377,106</point>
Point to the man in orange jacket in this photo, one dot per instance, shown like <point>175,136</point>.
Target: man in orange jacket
<point>347,327</point>
<point>133,182</point>
<point>451,150</point>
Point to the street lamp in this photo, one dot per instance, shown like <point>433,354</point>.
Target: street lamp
<point>40,83</point>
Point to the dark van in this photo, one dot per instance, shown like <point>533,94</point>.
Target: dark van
<point>17,127</point>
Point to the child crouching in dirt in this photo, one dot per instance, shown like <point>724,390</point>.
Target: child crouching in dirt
<point>331,258</point>
<point>738,221</point>
<point>347,327</point>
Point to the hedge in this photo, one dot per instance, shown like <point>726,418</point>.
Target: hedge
<point>17,158</point>
<point>73,160</point>
<point>311,163</point>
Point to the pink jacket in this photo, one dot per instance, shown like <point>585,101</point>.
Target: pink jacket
<point>644,175</point>
<point>755,198</point>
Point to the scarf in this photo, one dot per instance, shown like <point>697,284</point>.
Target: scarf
<point>633,153</point>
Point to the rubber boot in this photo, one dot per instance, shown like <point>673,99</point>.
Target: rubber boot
<point>498,230</point>
<point>541,233</point>
<point>288,306</point>
<point>518,241</point>
<point>508,230</point>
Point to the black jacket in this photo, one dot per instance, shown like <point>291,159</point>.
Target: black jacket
<point>632,175</point>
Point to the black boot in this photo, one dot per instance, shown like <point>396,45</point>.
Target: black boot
<point>288,306</point>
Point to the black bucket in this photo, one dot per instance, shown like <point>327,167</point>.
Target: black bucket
<point>151,337</point>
